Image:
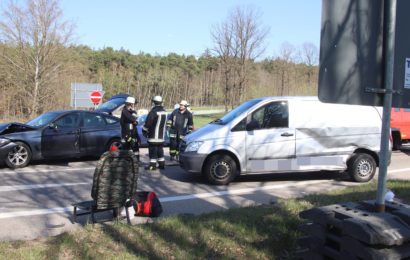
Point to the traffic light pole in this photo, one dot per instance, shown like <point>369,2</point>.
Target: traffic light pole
<point>390,18</point>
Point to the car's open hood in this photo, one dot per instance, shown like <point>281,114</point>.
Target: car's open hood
<point>8,128</point>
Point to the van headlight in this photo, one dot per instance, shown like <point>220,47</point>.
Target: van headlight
<point>193,146</point>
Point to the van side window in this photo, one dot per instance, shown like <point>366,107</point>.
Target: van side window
<point>272,115</point>
<point>241,126</point>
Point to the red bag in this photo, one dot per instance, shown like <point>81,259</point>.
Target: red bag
<point>147,204</point>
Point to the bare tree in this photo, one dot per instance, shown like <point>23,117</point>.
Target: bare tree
<point>36,36</point>
<point>284,64</point>
<point>310,57</point>
<point>238,41</point>
<point>250,36</point>
<point>223,37</point>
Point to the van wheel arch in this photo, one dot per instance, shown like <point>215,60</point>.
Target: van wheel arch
<point>225,160</point>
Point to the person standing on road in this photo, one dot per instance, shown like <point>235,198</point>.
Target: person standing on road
<point>128,121</point>
<point>180,123</point>
<point>154,130</point>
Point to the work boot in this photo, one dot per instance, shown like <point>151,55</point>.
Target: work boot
<point>151,167</point>
<point>161,165</point>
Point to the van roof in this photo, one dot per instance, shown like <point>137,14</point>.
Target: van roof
<point>310,98</point>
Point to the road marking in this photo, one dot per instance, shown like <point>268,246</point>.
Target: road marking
<point>39,186</point>
<point>28,213</point>
<point>399,170</point>
<point>165,199</point>
<point>47,170</point>
<point>238,191</point>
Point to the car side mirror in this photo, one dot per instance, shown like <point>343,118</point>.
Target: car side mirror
<point>52,126</point>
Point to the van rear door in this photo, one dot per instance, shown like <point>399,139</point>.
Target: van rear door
<point>270,143</point>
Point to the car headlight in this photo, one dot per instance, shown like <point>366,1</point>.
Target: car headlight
<point>4,141</point>
<point>193,146</point>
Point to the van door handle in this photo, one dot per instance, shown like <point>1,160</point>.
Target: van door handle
<point>287,134</point>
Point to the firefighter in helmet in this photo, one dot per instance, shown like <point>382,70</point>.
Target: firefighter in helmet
<point>128,122</point>
<point>154,130</point>
<point>180,123</point>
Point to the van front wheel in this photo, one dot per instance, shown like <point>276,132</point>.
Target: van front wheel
<point>220,169</point>
<point>362,167</point>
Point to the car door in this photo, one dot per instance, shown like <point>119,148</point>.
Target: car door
<point>270,142</point>
<point>95,134</point>
<point>61,138</point>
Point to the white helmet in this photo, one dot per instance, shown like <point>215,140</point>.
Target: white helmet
<point>184,103</point>
<point>157,99</point>
<point>130,100</point>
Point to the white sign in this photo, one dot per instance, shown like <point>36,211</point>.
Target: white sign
<point>81,94</point>
<point>407,74</point>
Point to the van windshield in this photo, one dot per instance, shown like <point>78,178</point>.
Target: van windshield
<point>236,112</point>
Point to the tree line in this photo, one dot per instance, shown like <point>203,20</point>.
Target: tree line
<point>38,63</point>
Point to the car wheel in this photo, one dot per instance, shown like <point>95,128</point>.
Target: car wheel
<point>19,157</point>
<point>220,169</point>
<point>362,167</point>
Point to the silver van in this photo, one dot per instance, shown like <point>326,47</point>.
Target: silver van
<point>286,134</point>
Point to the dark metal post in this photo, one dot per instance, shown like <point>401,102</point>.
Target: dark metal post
<point>390,18</point>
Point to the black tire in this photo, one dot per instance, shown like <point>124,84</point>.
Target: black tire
<point>362,167</point>
<point>220,169</point>
<point>19,157</point>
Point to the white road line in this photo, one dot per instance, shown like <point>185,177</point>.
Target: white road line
<point>34,212</point>
<point>38,186</point>
<point>46,170</point>
<point>238,191</point>
<point>399,170</point>
<point>165,199</point>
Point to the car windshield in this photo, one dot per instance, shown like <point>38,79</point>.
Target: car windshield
<point>236,112</point>
<point>112,104</point>
<point>43,120</point>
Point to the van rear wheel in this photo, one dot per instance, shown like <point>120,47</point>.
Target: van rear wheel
<point>220,169</point>
<point>362,167</point>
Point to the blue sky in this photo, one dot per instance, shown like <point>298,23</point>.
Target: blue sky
<point>184,26</point>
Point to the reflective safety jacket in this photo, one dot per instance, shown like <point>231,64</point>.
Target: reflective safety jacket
<point>155,125</point>
<point>180,123</point>
<point>128,122</point>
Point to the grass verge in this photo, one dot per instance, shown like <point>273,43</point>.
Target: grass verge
<point>260,232</point>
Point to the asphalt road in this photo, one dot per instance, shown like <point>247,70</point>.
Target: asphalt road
<point>36,201</point>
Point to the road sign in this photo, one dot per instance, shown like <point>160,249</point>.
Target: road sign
<point>95,97</point>
<point>351,52</point>
<point>81,92</point>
